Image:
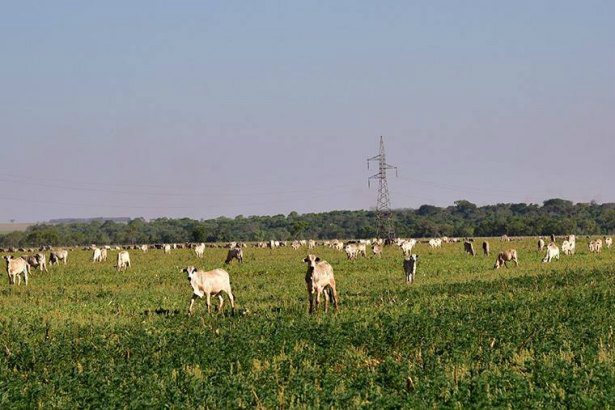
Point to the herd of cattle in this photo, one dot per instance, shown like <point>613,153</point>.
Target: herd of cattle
<point>320,280</point>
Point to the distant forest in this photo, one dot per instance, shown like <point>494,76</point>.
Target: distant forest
<point>463,219</point>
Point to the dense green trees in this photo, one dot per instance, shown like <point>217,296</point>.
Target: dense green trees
<point>463,219</point>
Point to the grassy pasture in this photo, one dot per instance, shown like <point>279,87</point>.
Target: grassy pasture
<point>463,336</point>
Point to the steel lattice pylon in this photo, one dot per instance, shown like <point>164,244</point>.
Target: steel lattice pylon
<point>383,204</point>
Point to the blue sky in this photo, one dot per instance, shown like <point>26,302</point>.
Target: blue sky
<point>201,109</point>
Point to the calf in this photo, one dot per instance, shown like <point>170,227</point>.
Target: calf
<point>469,248</point>
<point>123,261</point>
<point>236,253</point>
<point>15,267</point>
<point>318,279</point>
<point>207,284</point>
<point>410,268</point>
<point>608,241</point>
<point>506,256</point>
<point>552,253</point>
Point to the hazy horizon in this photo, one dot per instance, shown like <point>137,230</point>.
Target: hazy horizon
<point>192,109</point>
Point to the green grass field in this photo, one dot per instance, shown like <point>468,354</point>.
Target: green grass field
<point>463,336</point>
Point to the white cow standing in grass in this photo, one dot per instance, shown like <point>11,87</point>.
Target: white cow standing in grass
<point>407,246</point>
<point>199,250</point>
<point>552,253</point>
<point>207,284</point>
<point>123,261</point>
<point>319,279</point>
<point>15,268</point>
<point>96,255</point>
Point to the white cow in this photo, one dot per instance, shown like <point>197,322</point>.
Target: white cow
<point>15,268</point>
<point>319,279</point>
<point>199,250</point>
<point>406,246</point>
<point>608,241</point>
<point>552,253</point>
<point>97,255</point>
<point>123,261</point>
<point>58,255</point>
<point>568,247</point>
<point>167,248</point>
<point>207,284</point>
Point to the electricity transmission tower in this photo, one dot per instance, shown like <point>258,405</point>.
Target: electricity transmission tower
<point>383,206</point>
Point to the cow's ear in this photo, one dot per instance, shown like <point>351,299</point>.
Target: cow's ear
<point>317,259</point>
<point>417,256</point>
<point>306,260</point>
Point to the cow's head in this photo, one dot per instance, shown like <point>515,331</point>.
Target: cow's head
<point>190,271</point>
<point>311,260</point>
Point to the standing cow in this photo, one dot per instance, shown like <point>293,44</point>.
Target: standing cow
<point>318,279</point>
<point>410,268</point>
<point>486,250</point>
<point>469,248</point>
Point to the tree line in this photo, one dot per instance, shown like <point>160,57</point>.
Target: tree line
<point>463,219</point>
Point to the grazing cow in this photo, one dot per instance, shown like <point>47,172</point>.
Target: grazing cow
<point>552,253</point>
<point>505,238</point>
<point>15,267</point>
<point>608,241</point>
<point>311,244</point>
<point>199,250</point>
<point>97,255</point>
<point>207,284</point>
<point>506,256</point>
<point>236,253</point>
<point>541,244</point>
<point>406,246</point>
<point>123,261</point>
<point>58,255</point>
<point>353,250</point>
<point>37,261</point>
<point>337,245</point>
<point>167,248</point>
<point>103,255</point>
<point>318,279</point>
<point>295,245</point>
<point>469,248</point>
<point>377,250</point>
<point>568,248</point>
<point>435,243</point>
<point>144,248</point>
<point>410,268</point>
<point>486,249</point>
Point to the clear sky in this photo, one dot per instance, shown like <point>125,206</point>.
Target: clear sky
<point>201,109</point>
